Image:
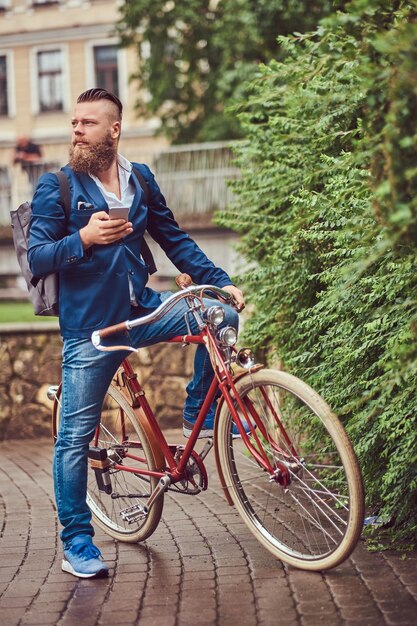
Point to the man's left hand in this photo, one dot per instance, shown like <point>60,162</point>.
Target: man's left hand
<point>237,294</point>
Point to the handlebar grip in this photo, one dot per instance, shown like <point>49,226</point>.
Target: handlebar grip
<point>110,330</point>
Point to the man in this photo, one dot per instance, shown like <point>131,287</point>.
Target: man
<point>28,153</point>
<point>103,281</point>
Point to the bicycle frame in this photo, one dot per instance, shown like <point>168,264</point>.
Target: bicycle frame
<point>223,381</point>
<point>174,466</point>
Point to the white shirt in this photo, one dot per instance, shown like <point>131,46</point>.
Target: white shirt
<point>127,189</point>
<point>127,193</point>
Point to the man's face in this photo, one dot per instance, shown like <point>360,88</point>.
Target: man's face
<point>95,135</point>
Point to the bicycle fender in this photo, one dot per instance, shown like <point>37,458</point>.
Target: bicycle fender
<point>156,450</point>
<point>158,456</point>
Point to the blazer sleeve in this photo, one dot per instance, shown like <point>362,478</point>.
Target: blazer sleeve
<point>51,248</point>
<point>180,248</point>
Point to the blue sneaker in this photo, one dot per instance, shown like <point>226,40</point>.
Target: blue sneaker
<point>84,560</point>
<point>205,432</point>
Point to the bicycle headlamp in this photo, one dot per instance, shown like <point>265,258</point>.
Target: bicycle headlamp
<point>245,358</point>
<point>214,315</point>
<point>227,336</point>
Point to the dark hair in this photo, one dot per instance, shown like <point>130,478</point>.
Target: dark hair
<point>92,95</point>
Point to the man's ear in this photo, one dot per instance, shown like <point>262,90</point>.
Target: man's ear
<point>115,129</point>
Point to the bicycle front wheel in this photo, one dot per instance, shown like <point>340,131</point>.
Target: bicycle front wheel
<point>128,446</point>
<point>308,507</point>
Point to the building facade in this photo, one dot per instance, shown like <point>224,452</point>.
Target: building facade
<point>52,50</point>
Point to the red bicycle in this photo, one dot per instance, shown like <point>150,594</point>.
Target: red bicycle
<point>291,473</point>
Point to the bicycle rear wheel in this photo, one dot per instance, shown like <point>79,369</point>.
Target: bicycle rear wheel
<point>308,508</point>
<point>127,444</point>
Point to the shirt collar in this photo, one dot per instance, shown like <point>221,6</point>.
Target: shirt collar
<point>126,187</point>
<point>124,163</point>
<point>125,167</point>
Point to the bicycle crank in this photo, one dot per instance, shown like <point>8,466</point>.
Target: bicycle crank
<point>194,478</point>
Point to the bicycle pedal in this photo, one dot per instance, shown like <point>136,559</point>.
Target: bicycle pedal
<point>133,513</point>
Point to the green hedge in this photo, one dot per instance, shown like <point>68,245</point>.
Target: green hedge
<point>327,210</point>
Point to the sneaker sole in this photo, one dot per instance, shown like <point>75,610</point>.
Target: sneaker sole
<point>203,434</point>
<point>67,567</point>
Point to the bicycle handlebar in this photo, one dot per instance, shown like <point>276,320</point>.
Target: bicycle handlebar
<point>196,290</point>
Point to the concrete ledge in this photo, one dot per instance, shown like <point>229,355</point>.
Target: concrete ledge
<point>30,361</point>
<point>28,328</point>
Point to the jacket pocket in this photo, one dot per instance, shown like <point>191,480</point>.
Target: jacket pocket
<point>79,300</point>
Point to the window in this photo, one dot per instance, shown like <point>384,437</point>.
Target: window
<point>49,64</point>
<point>106,73</point>
<point>4,92</point>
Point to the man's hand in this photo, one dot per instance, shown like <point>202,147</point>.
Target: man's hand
<point>237,294</point>
<point>102,230</point>
<point>183,281</point>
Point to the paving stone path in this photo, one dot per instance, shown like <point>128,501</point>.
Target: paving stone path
<point>202,567</point>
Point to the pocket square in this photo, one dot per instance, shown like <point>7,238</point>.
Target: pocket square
<point>85,206</point>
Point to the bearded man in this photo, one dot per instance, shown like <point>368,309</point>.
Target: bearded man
<point>103,281</point>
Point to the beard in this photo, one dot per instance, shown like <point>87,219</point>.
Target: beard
<point>95,158</point>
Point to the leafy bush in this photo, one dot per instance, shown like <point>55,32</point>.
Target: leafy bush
<point>327,210</point>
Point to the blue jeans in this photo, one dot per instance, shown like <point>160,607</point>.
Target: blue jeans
<point>86,375</point>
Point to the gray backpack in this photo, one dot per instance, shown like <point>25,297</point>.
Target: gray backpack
<point>44,291</point>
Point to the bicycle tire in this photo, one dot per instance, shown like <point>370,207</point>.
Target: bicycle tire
<point>315,521</point>
<point>106,508</point>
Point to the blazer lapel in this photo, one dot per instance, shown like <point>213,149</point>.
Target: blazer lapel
<point>138,197</point>
<point>93,191</point>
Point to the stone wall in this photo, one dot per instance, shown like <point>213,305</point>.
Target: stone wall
<point>30,361</point>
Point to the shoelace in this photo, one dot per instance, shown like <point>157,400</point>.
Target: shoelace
<point>88,551</point>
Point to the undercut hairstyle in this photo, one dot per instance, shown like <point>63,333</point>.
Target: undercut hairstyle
<point>92,95</point>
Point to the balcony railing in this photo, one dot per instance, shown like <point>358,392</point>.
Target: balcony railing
<point>193,179</point>
<point>17,185</point>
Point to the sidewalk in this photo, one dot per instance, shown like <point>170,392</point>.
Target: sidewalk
<point>201,567</point>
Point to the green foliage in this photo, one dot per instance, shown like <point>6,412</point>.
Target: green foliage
<point>326,207</point>
<point>196,56</point>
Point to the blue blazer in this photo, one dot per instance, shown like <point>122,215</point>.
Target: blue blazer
<point>93,284</point>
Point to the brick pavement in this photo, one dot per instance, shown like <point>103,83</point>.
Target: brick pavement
<point>201,567</point>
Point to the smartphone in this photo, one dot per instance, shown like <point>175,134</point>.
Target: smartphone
<point>119,213</point>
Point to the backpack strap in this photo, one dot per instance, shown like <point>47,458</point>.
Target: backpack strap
<point>143,184</point>
<point>146,251</point>
<point>64,190</point>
